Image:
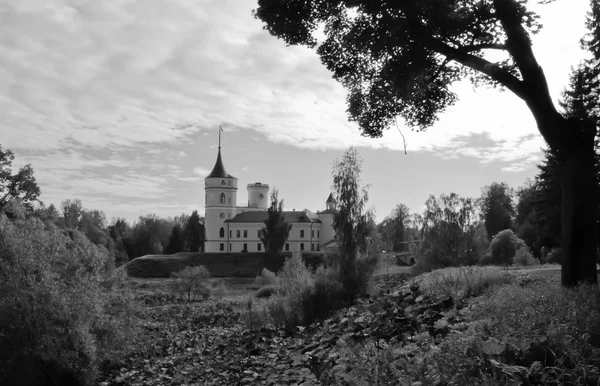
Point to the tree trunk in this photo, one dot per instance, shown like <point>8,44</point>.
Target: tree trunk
<point>579,202</point>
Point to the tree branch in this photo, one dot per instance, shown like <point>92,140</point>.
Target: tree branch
<point>486,46</point>
<point>484,66</point>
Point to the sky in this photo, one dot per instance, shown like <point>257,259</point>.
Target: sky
<point>118,103</point>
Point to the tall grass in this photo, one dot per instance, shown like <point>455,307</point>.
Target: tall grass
<point>462,282</point>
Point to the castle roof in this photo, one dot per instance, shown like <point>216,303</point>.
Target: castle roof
<point>330,198</point>
<point>262,215</point>
<point>219,169</point>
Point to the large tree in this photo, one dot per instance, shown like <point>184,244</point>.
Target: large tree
<point>194,232</point>
<point>399,58</point>
<point>21,186</point>
<point>276,230</point>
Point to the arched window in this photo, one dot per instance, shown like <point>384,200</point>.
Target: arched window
<point>222,182</point>
<point>222,198</point>
<point>222,232</point>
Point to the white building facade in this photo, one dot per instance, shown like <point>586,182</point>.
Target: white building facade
<point>232,228</point>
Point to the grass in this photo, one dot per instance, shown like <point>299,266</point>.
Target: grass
<point>461,282</point>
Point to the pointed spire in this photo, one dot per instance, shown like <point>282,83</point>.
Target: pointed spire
<point>219,169</point>
<point>330,199</point>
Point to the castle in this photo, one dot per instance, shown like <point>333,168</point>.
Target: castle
<point>232,228</point>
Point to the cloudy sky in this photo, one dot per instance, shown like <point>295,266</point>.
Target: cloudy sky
<point>118,103</point>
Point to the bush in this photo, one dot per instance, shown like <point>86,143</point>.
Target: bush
<point>61,314</point>
<point>253,317</point>
<point>523,257</point>
<point>265,278</point>
<point>504,247</point>
<point>266,291</point>
<point>191,283</point>
<point>219,290</point>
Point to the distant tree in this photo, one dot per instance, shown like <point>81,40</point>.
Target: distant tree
<point>177,241</point>
<point>497,210</point>
<point>120,231</point>
<point>400,58</point>
<point>92,224</point>
<point>276,230</point>
<point>21,186</point>
<point>194,231</point>
<point>446,231</point>
<point>393,228</point>
<point>47,213</point>
<point>150,235</point>
<point>71,211</point>
<point>351,217</point>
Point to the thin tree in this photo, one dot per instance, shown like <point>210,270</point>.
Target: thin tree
<point>399,58</point>
<point>351,219</point>
<point>276,230</point>
<point>194,231</point>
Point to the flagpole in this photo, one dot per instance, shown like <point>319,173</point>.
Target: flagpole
<point>220,129</point>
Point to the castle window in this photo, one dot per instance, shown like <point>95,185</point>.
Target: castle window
<point>312,233</point>
<point>287,246</point>
<point>222,215</point>
<point>222,198</point>
<point>258,247</point>
<point>318,234</point>
<point>318,247</point>
<point>237,233</point>
<point>312,247</point>
<point>301,246</point>
<point>258,233</point>
<point>222,232</point>
<point>245,233</point>
<point>301,233</point>
<point>229,247</point>
<point>223,182</point>
<point>230,233</point>
<point>245,248</point>
<point>221,247</point>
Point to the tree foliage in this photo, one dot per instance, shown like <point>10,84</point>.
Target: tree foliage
<point>194,231</point>
<point>61,314</point>
<point>393,228</point>
<point>276,230</point>
<point>447,227</point>
<point>351,218</point>
<point>21,186</point>
<point>497,208</point>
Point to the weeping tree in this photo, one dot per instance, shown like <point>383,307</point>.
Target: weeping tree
<point>399,58</point>
<point>276,230</point>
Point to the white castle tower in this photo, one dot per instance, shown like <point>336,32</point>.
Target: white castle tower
<point>258,196</point>
<point>220,204</point>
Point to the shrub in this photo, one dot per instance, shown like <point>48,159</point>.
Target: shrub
<point>504,247</point>
<point>266,291</point>
<point>524,257</point>
<point>191,283</point>
<point>327,296</point>
<point>266,277</point>
<point>253,317</point>
<point>61,314</point>
<point>219,290</point>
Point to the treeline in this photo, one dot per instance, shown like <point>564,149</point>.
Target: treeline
<point>455,230</point>
<point>122,241</point>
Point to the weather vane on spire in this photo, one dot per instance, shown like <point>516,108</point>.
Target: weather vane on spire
<point>220,130</point>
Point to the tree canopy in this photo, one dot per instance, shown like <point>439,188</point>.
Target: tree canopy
<point>276,230</point>
<point>21,186</point>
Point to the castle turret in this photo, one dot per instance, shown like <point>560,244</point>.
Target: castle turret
<point>330,203</point>
<point>327,234</point>
<point>258,195</point>
<point>220,201</point>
